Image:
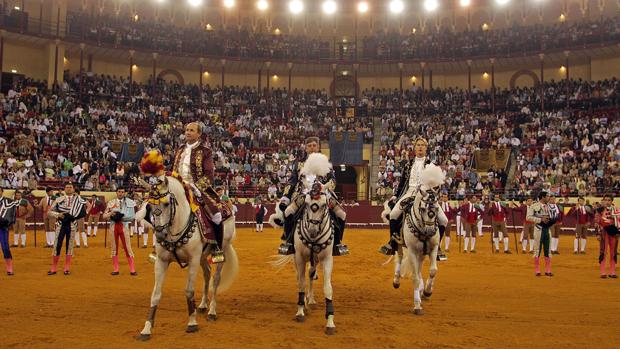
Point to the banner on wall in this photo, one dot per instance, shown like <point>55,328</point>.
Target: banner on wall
<point>346,148</point>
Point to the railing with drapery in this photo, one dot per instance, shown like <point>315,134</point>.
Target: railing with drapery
<point>444,45</point>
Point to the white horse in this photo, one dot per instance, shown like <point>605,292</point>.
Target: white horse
<point>421,235</point>
<point>313,239</point>
<point>179,238</point>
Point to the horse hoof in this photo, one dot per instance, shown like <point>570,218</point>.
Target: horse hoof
<point>395,285</point>
<point>312,306</point>
<point>144,337</point>
<point>300,318</point>
<point>330,331</point>
<point>191,329</point>
<point>418,312</point>
<point>427,294</point>
<point>202,310</point>
<point>211,317</point>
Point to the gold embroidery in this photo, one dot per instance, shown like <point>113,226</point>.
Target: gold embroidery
<point>198,163</point>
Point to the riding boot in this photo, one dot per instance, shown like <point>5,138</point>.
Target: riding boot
<point>217,256</point>
<point>392,246</point>
<point>287,247</point>
<point>340,249</point>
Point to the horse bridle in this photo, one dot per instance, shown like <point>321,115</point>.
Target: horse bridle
<point>156,195</point>
<point>162,231</point>
<point>306,221</point>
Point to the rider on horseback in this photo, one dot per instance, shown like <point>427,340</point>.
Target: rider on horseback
<point>292,196</point>
<point>407,186</point>
<point>194,162</point>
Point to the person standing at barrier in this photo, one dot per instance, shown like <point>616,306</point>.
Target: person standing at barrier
<point>260,212</point>
<point>67,210</point>
<point>556,229</point>
<point>481,205</point>
<point>498,212</point>
<point>608,220</point>
<point>138,225</point>
<point>541,214</point>
<point>96,208</point>
<point>583,224</point>
<point>24,211</point>
<point>469,218</point>
<point>44,205</point>
<point>450,213</point>
<point>8,209</point>
<point>121,211</point>
<point>527,234</point>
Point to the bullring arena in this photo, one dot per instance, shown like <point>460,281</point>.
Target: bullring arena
<point>482,300</point>
<point>482,134</point>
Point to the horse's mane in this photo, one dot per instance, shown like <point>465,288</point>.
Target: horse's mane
<point>186,190</point>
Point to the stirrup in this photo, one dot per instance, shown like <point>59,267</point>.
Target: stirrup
<point>387,250</point>
<point>341,250</point>
<point>217,256</point>
<point>153,257</point>
<point>285,249</point>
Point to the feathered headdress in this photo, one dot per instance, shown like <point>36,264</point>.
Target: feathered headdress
<point>432,176</point>
<point>316,164</point>
<point>152,163</point>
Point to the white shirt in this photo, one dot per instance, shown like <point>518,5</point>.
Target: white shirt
<point>185,165</point>
<point>416,170</point>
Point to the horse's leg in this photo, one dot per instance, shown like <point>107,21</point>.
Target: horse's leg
<point>194,263</point>
<point>216,282</point>
<point>206,272</point>
<point>300,265</point>
<point>417,301</point>
<point>311,278</point>
<point>428,291</point>
<point>160,273</point>
<point>330,327</point>
<point>398,260</point>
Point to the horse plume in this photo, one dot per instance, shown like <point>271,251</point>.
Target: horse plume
<point>432,176</point>
<point>316,164</point>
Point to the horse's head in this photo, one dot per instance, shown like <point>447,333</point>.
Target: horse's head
<point>162,204</point>
<point>316,206</point>
<point>425,203</point>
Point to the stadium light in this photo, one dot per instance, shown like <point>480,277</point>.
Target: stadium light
<point>160,1</point>
<point>194,3</point>
<point>229,3</point>
<point>295,6</point>
<point>262,5</point>
<point>431,5</point>
<point>329,7</point>
<point>502,2</point>
<point>465,3</point>
<point>362,7</point>
<point>396,6</point>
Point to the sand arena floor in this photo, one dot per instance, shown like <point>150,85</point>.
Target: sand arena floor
<point>483,300</point>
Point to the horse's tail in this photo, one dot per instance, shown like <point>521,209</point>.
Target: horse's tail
<point>230,269</point>
<point>385,214</point>
<point>280,262</point>
<point>406,268</point>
